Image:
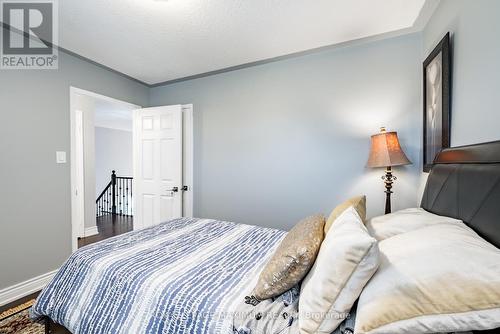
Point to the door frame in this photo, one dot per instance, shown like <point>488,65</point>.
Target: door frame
<point>78,164</point>
<point>187,161</point>
<point>77,181</point>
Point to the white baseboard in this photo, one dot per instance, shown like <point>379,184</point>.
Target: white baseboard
<point>25,288</point>
<point>91,231</point>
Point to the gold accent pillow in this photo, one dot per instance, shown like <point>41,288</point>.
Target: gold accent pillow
<point>359,204</point>
<point>293,258</point>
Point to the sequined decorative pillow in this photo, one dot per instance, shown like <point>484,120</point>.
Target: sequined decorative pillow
<point>293,258</point>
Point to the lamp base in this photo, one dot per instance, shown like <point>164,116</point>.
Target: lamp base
<point>388,181</point>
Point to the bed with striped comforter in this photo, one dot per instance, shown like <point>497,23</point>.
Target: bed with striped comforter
<point>182,276</point>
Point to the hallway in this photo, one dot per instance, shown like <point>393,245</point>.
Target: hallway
<point>108,226</point>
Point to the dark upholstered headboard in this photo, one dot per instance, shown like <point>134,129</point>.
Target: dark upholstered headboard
<point>464,183</point>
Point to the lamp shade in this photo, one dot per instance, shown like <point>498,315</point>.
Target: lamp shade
<point>385,151</point>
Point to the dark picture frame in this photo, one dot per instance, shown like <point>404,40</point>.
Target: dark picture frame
<point>437,101</point>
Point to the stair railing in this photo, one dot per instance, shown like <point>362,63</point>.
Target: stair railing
<point>116,198</point>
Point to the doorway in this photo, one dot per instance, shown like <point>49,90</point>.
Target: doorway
<point>107,160</point>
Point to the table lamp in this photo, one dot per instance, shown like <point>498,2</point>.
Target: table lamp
<point>386,152</point>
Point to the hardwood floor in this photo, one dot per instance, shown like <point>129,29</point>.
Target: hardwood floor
<point>108,226</point>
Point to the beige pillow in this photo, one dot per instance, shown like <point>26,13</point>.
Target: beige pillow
<point>293,258</point>
<point>402,221</point>
<point>347,259</point>
<point>359,204</point>
<point>440,278</point>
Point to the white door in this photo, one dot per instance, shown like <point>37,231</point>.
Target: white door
<point>157,165</point>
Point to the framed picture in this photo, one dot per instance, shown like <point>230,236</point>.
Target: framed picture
<point>437,101</point>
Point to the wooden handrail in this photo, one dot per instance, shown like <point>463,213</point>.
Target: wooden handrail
<point>103,192</point>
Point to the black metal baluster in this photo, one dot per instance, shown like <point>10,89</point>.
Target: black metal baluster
<point>106,201</point>
<point>123,197</point>
<point>124,194</point>
<point>126,191</point>
<point>120,197</point>
<point>117,194</point>
<point>113,192</point>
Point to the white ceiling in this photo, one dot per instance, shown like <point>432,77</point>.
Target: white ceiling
<point>162,40</point>
<point>112,115</point>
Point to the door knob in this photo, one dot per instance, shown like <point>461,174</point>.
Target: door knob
<point>175,189</point>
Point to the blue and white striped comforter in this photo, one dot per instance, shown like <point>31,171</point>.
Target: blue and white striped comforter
<point>182,276</point>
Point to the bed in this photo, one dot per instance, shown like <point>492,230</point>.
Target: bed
<point>188,275</point>
<point>178,277</point>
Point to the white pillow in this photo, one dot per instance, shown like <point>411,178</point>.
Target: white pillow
<point>348,257</point>
<point>402,221</point>
<point>440,278</point>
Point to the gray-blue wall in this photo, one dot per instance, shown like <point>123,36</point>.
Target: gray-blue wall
<point>35,206</point>
<point>475,29</point>
<point>277,142</point>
